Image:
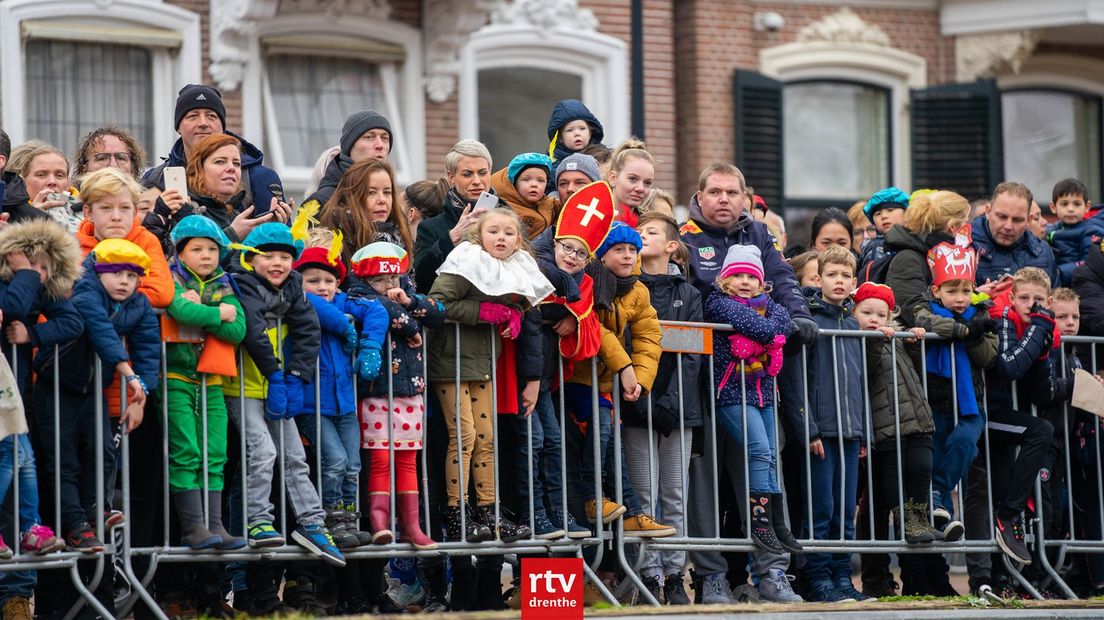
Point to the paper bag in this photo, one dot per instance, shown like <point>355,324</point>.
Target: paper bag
<point>13,420</point>
<point>1088,393</point>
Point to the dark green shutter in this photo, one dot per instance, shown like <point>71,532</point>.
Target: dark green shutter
<point>758,107</point>
<point>956,138</point>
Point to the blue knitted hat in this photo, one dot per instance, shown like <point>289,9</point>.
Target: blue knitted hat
<point>272,236</point>
<point>620,232</point>
<point>199,226</point>
<point>528,160</point>
<point>888,198</point>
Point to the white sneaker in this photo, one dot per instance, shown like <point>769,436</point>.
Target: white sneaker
<point>405,595</point>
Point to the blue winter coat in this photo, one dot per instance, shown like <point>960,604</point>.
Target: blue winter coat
<point>23,299</point>
<point>1071,243</point>
<point>335,366</point>
<point>721,308</point>
<point>407,364</point>
<point>995,261</point>
<point>565,111</point>
<point>106,323</point>
<point>839,374</point>
<point>708,246</point>
<point>263,182</point>
<point>872,251</point>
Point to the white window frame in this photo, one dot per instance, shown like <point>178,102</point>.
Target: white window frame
<point>402,88</point>
<point>600,60</point>
<point>886,67</point>
<point>171,68</point>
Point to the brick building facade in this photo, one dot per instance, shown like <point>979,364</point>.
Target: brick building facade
<point>820,102</point>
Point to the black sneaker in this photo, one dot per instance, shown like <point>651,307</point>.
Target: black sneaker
<point>83,538</point>
<point>508,531</point>
<point>674,590</point>
<point>655,587</point>
<point>762,530</point>
<point>476,531</point>
<point>1010,537</point>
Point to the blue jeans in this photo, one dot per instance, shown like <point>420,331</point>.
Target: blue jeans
<point>580,464</point>
<point>954,448</point>
<point>545,448</point>
<point>829,509</point>
<point>340,454</point>
<point>20,583</point>
<point>762,460</point>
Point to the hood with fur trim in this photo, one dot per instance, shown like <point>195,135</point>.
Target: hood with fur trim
<point>44,239</point>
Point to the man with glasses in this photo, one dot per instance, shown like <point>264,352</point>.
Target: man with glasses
<point>109,147</point>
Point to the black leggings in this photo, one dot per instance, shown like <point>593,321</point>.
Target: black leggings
<point>916,463</point>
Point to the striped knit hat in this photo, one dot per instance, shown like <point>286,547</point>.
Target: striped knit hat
<point>743,259</point>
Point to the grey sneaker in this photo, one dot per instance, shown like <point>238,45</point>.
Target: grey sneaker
<point>775,588</point>
<point>716,591</point>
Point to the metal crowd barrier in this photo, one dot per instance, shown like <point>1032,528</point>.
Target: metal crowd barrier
<point>118,543</point>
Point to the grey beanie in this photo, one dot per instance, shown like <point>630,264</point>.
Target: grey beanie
<point>361,122</point>
<point>579,162</point>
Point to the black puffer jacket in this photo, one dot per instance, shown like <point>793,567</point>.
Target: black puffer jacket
<point>328,183</point>
<point>913,409</point>
<point>674,299</point>
<point>16,202</point>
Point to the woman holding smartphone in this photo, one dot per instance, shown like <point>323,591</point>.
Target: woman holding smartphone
<point>45,173</point>
<point>213,176</point>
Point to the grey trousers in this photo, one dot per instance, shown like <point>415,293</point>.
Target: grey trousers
<point>703,515</point>
<point>659,480</point>
<point>261,435</point>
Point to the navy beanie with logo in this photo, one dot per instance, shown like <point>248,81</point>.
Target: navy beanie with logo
<point>198,97</point>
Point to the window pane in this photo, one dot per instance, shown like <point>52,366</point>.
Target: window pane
<point>836,140</point>
<point>313,95</point>
<point>1050,136</point>
<point>73,88</point>
<point>514,104</point>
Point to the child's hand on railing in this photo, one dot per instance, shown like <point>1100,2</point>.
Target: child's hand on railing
<point>887,331</point>
<point>566,326</point>
<point>918,334</point>
<point>630,388</point>
<point>529,396</point>
<point>414,341</point>
<point>17,333</point>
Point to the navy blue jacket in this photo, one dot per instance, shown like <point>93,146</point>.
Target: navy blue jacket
<point>261,182</point>
<point>407,363</point>
<point>831,375</point>
<point>1024,360</point>
<point>708,246</point>
<point>14,199</point>
<point>995,261</point>
<point>106,323</point>
<point>1071,243</point>
<point>565,111</point>
<point>1088,282</point>
<point>23,299</point>
<point>872,250</point>
<point>335,366</point>
<point>721,308</point>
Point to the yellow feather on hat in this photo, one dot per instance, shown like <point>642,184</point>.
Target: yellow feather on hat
<point>304,219</point>
<point>334,254</point>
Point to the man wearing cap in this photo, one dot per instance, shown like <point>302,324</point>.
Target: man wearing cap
<point>573,173</point>
<point>365,134</point>
<point>199,113</point>
<point>720,219</point>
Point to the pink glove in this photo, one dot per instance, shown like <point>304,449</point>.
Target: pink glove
<point>744,348</point>
<point>774,356</point>
<point>490,312</point>
<point>514,323</point>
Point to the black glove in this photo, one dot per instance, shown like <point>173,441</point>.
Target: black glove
<point>1044,315</point>
<point>980,325</point>
<point>805,330</point>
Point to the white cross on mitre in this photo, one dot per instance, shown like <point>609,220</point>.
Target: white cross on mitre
<point>591,210</point>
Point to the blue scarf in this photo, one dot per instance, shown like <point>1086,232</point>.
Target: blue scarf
<point>939,363</point>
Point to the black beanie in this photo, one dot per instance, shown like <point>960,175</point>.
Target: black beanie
<point>199,97</point>
<point>358,124</point>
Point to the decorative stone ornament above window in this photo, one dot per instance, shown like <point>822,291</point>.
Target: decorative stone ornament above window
<point>233,21</point>
<point>843,26</point>
<point>449,26</point>
<point>986,55</point>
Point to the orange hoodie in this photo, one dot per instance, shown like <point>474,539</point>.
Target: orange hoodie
<point>157,285</point>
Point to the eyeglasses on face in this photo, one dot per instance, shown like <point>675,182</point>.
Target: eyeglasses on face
<point>581,254</point>
<point>103,158</point>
